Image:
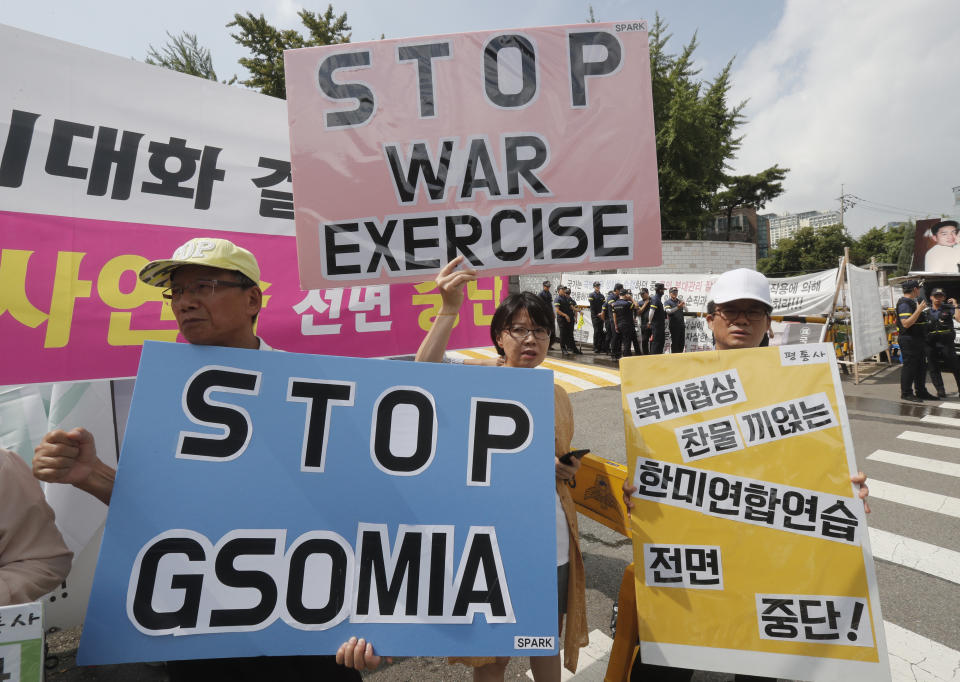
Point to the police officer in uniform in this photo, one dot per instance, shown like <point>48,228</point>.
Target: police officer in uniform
<point>911,325</point>
<point>643,317</point>
<point>596,299</point>
<point>547,298</point>
<point>566,315</point>
<point>624,331</point>
<point>657,320</point>
<point>940,339</point>
<point>612,297</point>
<point>673,310</point>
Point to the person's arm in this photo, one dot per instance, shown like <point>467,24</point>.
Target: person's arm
<point>450,283</point>
<point>956,310</point>
<point>33,556</point>
<point>912,319</point>
<point>71,457</point>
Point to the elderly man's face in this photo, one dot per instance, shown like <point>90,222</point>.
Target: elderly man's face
<point>739,324</point>
<point>220,316</point>
<point>946,236</point>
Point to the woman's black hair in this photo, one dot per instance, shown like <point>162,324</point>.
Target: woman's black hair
<point>536,308</point>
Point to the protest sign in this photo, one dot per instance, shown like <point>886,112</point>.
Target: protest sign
<point>750,542</point>
<point>21,642</point>
<point>94,186</point>
<point>524,150</point>
<point>276,503</point>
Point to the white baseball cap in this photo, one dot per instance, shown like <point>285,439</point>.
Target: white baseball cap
<point>741,283</point>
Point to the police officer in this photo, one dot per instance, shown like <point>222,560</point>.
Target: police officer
<point>547,298</point>
<point>940,339</point>
<point>657,320</point>
<point>912,326</point>
<point>566,315</point>
<point>596,299</point>
<point>643,309</point>
<point>612,297</point>
<point>673,310</point>
<point>624,331</point>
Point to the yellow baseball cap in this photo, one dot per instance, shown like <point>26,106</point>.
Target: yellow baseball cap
<point>213,253</point>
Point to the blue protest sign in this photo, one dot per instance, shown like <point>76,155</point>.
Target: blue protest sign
<point>278,503</point>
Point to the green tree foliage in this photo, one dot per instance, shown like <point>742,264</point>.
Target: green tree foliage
<point>809,250</point>
<point>266,44</point>
<point>749,191</point>
<point>883,244</point>
<point>695,128</point>
<point>185,54</point>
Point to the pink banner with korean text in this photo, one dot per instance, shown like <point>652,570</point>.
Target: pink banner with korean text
<point>529,150</point>
<point>72,308</point>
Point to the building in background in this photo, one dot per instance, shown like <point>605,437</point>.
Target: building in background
<point>763,234</point>
<point>783,226</point>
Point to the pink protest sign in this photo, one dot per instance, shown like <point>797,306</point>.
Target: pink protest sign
<point>526,150</point>
<point>71,306</point>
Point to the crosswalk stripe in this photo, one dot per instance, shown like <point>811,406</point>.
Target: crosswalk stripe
<point>921,499</point>
<point>914,658</point>
<point>912,461</point>
<point>946,421</point>
<point>921,556</point>
<point>950,406</point>
<point>931,439</point>
<point>571,370</point>
<point>610,375</point>
<point>573,377</point>
<point>596,653</point>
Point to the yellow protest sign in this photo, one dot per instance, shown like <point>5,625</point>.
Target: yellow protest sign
<point>750,543</point>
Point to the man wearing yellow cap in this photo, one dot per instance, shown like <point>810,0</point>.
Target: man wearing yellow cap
<point>212,286</point>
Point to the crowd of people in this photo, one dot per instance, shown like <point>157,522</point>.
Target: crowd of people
<point>926,337</point>
<point>215,298</point>
<point>625,326</point>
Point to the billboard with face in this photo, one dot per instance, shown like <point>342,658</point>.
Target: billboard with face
<point>937,247</point>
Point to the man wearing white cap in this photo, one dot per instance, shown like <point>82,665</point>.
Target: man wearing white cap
<point>738,313</point>
<point>212,286</point>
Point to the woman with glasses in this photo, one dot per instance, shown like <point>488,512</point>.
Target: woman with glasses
<point>520,331</point>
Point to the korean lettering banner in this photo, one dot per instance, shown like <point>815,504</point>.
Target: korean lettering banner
<point>107,163</point>
<point>278,503</point>
<point>525,151</point>
<point>21,642</point>
<point>750,542</point>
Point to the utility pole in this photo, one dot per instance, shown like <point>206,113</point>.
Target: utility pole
<point>846,201</point>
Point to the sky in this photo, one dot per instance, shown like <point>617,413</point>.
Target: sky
<point>851,94</point>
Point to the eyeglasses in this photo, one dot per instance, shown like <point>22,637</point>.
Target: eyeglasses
<point>752,314</point>
<point>200,288</point>
<point>520,333</point>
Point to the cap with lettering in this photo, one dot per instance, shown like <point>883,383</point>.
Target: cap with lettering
<point>938,292</point>
<point>734,285</point>
<point>211,252</point>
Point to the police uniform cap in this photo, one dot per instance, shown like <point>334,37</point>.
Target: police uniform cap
<point>910,285</point>
<point>938,292</point>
